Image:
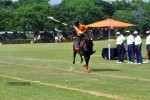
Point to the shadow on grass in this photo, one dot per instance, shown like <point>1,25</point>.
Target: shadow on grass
<point>96,70</point>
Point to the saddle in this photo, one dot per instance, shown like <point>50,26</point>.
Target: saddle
<point>80,48</point>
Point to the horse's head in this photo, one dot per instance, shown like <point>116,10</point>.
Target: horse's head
<point>88,43</point>
<point>89,35</point>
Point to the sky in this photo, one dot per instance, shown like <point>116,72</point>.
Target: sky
<point>55,1</point>
<point>59,1</point>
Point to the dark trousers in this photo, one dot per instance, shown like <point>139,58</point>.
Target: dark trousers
<point>120,50</point>
<point>130,53</point>
<point>138,53</point>
<point>148,48</point>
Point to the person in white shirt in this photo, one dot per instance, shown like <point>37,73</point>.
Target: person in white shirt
<point>120,46</point>
<point>148,45</point>
<point>138,45</point>
<point>130,46</point>
<point>56,39</point>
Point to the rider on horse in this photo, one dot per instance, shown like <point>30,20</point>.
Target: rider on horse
<point>80,30</point>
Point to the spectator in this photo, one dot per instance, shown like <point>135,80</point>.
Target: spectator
<point>138,45</point>
<point>130,46</point>
<point>56,39</point>
<point>148,45</point>
<point>120,47</point>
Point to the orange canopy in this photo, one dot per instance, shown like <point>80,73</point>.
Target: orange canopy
<point>110,22</point>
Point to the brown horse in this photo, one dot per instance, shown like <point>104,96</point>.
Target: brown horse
<point>86,48</point>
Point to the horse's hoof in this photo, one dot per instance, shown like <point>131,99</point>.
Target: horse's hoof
<point>84,65</point>
<point>73,62</point>
<point>88,71</point>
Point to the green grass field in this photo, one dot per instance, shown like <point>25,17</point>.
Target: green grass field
<point>52,76</point>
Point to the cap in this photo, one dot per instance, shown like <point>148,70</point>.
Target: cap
<point>76,23</point>
<point>147,32</point>
<point>128,31</point>
<point>135,32</point>
<point>117,32</point>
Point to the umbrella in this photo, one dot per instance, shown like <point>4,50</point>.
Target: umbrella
<point>110,23</point>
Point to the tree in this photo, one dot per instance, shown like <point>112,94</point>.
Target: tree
<point>31,18</point>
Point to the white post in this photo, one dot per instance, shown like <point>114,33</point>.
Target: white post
<point>109,51</point>
<point>109,42</point>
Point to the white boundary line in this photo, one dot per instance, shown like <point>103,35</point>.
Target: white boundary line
<point>95,93</point>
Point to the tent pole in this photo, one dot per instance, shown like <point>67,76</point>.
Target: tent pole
<point>109,42</point>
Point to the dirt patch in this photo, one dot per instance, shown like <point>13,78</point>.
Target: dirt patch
<point>113,76</point>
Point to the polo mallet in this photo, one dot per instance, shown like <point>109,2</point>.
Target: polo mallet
<point>52,18</point>
<point>55,20</point>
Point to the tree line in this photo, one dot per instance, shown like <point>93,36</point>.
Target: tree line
<point>30,16</point>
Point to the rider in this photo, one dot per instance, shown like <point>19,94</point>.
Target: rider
<point>80,30</point>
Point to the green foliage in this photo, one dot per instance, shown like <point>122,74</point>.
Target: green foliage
<point>31,15</point>
<point>6,19</point>
<point>30,19</point>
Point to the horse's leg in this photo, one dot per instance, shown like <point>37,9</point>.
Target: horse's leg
<point>87,58</point>
<point>74,56</point>
<point>81,59</point>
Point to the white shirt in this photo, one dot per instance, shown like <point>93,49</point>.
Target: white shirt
<point>123,37</point>
<point>138,40</point>
<point>130,39</point>
<point>56,38</point>
<point>148,40</point>
<point>39,37</point>
<point>120,39</point>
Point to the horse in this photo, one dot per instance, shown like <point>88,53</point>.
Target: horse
<point>86,47</point>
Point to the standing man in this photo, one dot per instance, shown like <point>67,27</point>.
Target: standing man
<point>148,45</point>
<point>130,46</point>
<point>120,47</point>
<point>138,45</point>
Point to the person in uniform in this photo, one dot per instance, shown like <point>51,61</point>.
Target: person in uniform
<point>138,46</point>
<point>120,47</point>
<point>130,47</point>
<point>148,45</point>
